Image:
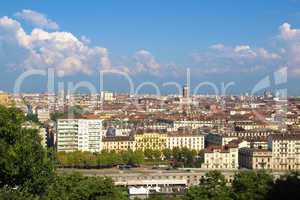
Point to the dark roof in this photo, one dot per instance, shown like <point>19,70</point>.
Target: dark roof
<point>118,138</point>
<point>286,136</point>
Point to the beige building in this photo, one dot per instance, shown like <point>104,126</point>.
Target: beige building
<point>150,140</point>
<point>190,141</point>
<point>255,158</point>
<point>118,143</point>
<point>285,151</point>
<point>221,157</point>
<point>43,115</point>
<point>5,99</point>
<point>107,96</point>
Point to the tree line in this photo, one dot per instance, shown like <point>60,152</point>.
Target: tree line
<point>79,159</point>
<point>177,157</point>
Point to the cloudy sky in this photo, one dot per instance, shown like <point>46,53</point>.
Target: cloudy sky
<point>218,41</point>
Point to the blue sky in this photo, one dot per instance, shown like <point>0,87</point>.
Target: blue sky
<point>240,41</point>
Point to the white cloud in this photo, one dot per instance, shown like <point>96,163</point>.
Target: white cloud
<point>291,40</point>
<point>287,33</point>
<point>145,62</point>
<point>37,19</point>
<point>240,58</point>
<point>240,48</point>
<point>41,49</point>
<point>217,46</point>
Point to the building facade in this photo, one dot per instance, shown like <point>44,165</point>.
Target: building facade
<point>221,157</point>
<point>285,151</point>
<point>255,158</point>
<point>118,143</point>
<point>150,140</point>
<point>79,134</point>
<point>190,141</point>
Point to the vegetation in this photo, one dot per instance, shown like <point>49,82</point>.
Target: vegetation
<point>27,169</point>
<point>212,187</point>
<point>246,185</point>
<point>23,161</point>
<point>75,186</point>
<point>78,159</point>
<point>32,118</point>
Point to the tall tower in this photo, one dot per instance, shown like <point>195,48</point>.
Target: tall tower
<point>185,92</point>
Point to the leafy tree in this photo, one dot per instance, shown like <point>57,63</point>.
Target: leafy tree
<point>156,154</point>
<point>251,185</point>
<point>32,117</point>
<point>161,197</point>
<point>286,188</point>
<point>148,154</point>
<point>75,186</point>
<point>16,194</point>
<point>167,153</point>
<point>24,163</point>
<point>176,153</point>
<point>56,115</point>
<point>212,187</point>
<point>137,157</point>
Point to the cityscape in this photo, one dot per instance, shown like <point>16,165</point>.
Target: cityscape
<point>99,126</point>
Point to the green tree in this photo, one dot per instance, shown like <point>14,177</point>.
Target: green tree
<point>75,186</point>
<point>286,187</point>
<point>148,154</point>
<point>167,153</point>
<point>212,187</point>
<point>156,154</point>
<point>32,117</point>
<point>251,185</point>
<point>137,157</point>
<point>16,194</point>
<point>24,163</point>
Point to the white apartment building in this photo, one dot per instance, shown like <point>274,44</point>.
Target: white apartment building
<point>218,157</point>
<point>43,115</point>
<point>79,134</point>
<point>107,96</point>
<point>193,124</point>
<point>190,141</point>
<point>285,151</point>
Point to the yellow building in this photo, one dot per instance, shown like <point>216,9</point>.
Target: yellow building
<point>5,99</point>
<point>118,143</point>
<point>150,140</point>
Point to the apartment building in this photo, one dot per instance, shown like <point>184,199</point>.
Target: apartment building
<point>221,157</point>
<point>107,96</point>
<point>43,114</point>
<point>118,143</point>
<point>193,124</point>
<point>251,158</point>
<point>150,140</point>
<point>188,140</point>
<point>5,99</point>
<point>285,151</point>
<point>79,134</point>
